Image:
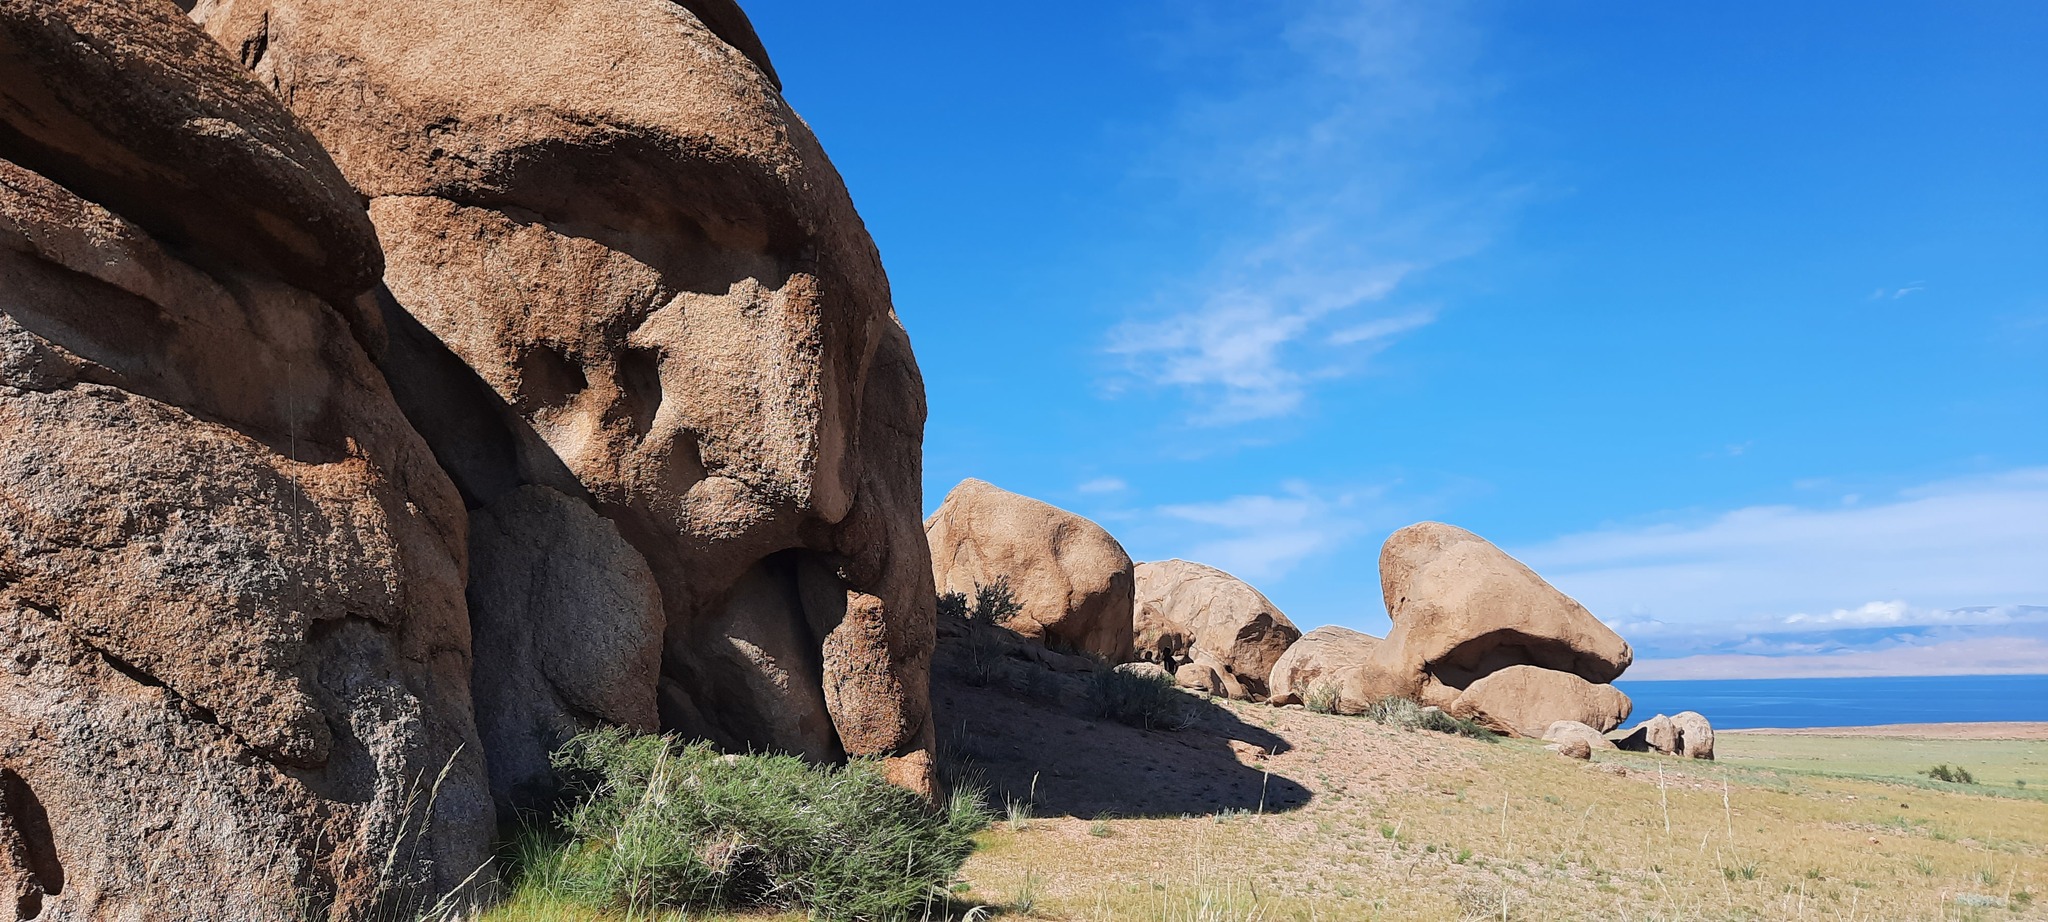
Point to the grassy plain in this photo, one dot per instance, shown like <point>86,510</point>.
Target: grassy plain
<point>1417,825</point>
<point>1263,814</point>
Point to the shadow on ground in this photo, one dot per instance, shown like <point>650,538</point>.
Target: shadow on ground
<point>1069,765</point>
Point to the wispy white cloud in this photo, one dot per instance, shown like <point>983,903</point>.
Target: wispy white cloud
<point>1974,656</point>
<point>1103,485</point>
<point>1894,294</point>
<point>1240,347</point>
<point>1343,159</point>
<point>1260,536</point>
<point>1946,562</point>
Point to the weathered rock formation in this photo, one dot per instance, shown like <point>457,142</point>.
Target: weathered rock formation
<point>1463,611</point>
<point>1688,735</point>
<point>632,307</point>
<point>264,649</point>
<point>1574,748</point>
<point>1072,579</point>
<point>1318,654</point>
<point>233,640</point>
<point>1695,735</point>
<point>1189,611</point>
<point>1526,701</point>
<point>1210,678</point>
<point>1567,730</point>
<point>1657,734</point>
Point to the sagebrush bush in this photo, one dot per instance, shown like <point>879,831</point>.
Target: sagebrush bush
<point>660,824</point>
<point>1322,696</point>
<point>953,606</point>
<point>1142,700</point>
<point>994,603</point>
<point>1954,774</point>
<point>1406,714</point>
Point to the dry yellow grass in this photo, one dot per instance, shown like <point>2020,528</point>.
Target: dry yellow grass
<point>1417,825</point>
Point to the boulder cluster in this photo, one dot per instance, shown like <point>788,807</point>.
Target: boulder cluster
<point>391,390</point>
<point>1475,634</point>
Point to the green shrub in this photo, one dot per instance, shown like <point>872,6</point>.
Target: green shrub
<point>660,824</point>
<point>1407,715</point>
<point>994,603</point>
<point>953,606</point>
<point>1141,700</point>
<point>1954,774</point>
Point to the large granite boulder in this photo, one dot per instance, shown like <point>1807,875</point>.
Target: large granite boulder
<point>1462,609</point>
<point>623,275</point>
<point>1073,581</point>
<point>1526,701</point>
<point>234,648</point>
<point>1316,655</point>
<point>1188,611</point>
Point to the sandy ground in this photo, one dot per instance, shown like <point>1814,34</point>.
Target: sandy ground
<point>2008,730</point>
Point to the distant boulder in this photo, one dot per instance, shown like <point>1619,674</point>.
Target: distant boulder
<point>1658,734</point>
<point>1695,735</point>
<point>1526,700</point>
<point>1567,730</point>
<point>1575,748</point>
<point>1317,654</point>
<point>1186,611</point>
<point>1073,581</point>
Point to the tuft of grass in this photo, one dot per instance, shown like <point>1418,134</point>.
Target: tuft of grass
<point>1147,701</point>
<point>1322,696</point>
<point>1407,715</point>
<point>1019,813</point>
<point>662,825</point>
<point>1025,898</point>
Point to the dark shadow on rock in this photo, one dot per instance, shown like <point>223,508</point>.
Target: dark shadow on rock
<point>1022,747</point>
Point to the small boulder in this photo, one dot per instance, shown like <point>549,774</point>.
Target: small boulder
<point>1526,700</point>
<point>1567,730</point>
<point>1187,610</point>
<point>1695,735</point>
<point>1318,653</point>
<point>1658,734</point>
<point>1073,581</point>
<point>1575,748</point>
<point>1208,678</point>
<point>1144,670</point>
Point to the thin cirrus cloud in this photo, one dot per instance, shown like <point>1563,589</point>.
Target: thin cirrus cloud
<point>1103,485</point>
<point>1943,565</point>
<point>1257,536</point>
<point>1343,159</point>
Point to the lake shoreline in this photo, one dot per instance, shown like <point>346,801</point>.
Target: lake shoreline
<point>1967,730</point>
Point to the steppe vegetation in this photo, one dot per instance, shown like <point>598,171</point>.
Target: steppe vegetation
<point>1417,825</point>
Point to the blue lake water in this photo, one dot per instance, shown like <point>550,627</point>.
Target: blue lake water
<point>1735,704</point>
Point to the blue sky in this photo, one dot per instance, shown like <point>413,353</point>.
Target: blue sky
<point>1731,319</point>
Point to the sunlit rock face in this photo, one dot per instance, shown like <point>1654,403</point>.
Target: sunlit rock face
<point>234,649</point>
<point>631,306</point>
